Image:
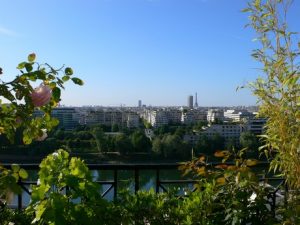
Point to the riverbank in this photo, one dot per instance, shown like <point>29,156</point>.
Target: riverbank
<point>97,158</point>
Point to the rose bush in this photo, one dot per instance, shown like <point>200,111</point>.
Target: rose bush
<point>18,102</point>
<point>19,99</point>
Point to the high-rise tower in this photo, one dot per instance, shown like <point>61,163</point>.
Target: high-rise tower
<point>196,101</point>
<point>190,102</point>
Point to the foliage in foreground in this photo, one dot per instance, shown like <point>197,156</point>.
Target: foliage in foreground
<point>230,194</point>
<point>278,90</point>
<point>66,194</point>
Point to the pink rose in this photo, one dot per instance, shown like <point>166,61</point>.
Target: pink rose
<point>41,96</point>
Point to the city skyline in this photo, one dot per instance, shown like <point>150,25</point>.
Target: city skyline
<point>157,51</point>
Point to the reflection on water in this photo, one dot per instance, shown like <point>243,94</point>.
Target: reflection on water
<point>147,181</point>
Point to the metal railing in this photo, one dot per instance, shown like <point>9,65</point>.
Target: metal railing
<point>160,184</point>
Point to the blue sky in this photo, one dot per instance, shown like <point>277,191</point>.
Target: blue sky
<point>159,51</point>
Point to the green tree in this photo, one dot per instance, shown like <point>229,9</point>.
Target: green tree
<point>198,126</point>
<point>231,144</point>
<point>217,142</point>
<point>100,139</point>
<point>180,131</point>
<point>59,134</point>
<point>249,140</point>
<point>140,142</point>
<point>170,146</point>
<point>162,130</point>
<point>115,128</point>
<point>123,144</point>
<point>84,135</point>
<point>147,125</point>
<point>203,146</point>
<point>157,146</point>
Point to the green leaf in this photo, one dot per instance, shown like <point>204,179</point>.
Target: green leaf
<point>257,4</point>
<point>38,192</point>
<point>77,81</point>
<point>15,176</point>
<point>51,77</point>
<point>40,75</point>
<point>23,174</point>
<point>19,94</point>
<point>54,122</point>
<point>251,162</point>
<point>246,10</point>
<point>14,187</point>
<point>56,94</point>
<point>39,210</point>
<point>28,67</point>
<point>65,78</point>
<point>31,57</point>
<point>27,140</point>
<point>6,93</point>
<point>21,65</point>
<point>52,85</point>
<point>68,71</point>
<point>15,167</point>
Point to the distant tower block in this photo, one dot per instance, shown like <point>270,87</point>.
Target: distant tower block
<point>140,103</point>
<point>196,101</point>
<point>190,101</point>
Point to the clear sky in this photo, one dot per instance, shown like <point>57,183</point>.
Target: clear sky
<point>159,51</point>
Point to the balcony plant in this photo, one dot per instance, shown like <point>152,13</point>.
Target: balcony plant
<point>278,92</point>
<point>37,87</point>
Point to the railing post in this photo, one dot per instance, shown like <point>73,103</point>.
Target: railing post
<point>286,194</point>
<point>67,191</point>
<point>273,207</point>
<point>136,180</point>
<point>20,206</point>
<point>157,181</point>
<point>20,202</point>
<point>115,183</point>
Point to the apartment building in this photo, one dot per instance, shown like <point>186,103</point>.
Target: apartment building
<point>68,117</point>
<point>158,118</point>
<point>214,115</point>
<point>227,131</point>
<point>133,120</point>
<point>256,125</point>
<point>237,115</point>
<point>109,117</point>
<point>173,115</point>
<point>193,116</point>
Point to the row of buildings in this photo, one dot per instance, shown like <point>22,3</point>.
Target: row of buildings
<point>71,117</point>
<point>163,116</point>
<point>231,132</point>
<point>228,123</point>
